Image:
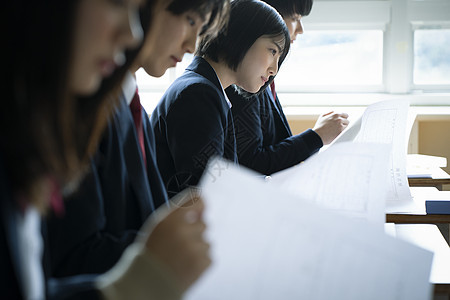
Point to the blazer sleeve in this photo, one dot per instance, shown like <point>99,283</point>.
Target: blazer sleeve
<point>195,130</point>
<point>252,136</point>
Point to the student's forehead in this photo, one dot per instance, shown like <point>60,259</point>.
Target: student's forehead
<point>276,40</point>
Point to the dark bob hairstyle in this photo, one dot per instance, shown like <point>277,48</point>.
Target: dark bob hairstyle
<point>249,20</point>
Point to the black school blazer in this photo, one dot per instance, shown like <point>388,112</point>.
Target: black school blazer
<point>264,139</point>
<point>192,123</point>
<point>103,217</point>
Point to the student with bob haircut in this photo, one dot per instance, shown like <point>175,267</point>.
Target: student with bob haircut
<point>61,68</point>
<point>193,121</point>
<point>264,139</point>
<point>124,185</point>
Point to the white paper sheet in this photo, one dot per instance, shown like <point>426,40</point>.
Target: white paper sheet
<point>386,122</point>
<point>268,245</point>
<point>350,178</point>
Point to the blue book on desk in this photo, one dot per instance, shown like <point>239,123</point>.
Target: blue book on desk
<point>438,207</point>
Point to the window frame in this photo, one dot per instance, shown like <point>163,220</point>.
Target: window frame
<point>397,19</point>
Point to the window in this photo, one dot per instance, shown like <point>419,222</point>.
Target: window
<point>333,58</point>
<point>432,57</point>
<point>355,50</point>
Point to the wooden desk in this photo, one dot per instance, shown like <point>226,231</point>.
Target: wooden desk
<point>429,237</point>
<point>408,218</point>
<point>416,212</point>
<point>438,178</point>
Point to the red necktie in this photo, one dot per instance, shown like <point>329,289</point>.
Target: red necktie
<point>272,88</point>
<point>56,200</point>
<point>136,110</point>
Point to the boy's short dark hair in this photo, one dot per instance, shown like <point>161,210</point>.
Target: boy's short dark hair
<point>219,10</point>
<point>289,8</point>
<point>249,20</point>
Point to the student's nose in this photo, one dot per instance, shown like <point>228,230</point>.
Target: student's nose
<point>273,68</point>
<point>132,33</point>
<point>190,42</point>
<point>299,27</point>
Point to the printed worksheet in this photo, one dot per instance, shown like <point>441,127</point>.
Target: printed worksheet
<point>266,244</point>
<point>386,122</point>
<point>350,178</point>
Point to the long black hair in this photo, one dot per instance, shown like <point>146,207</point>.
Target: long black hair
<point>219,10</point>
<point>44,130</point>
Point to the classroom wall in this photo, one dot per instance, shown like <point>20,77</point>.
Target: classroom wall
<point>434,139</point>
<point>298,126</point>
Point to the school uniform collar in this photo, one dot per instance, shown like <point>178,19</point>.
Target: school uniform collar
<point>225,95</point>
<point>129,86</point>
<point>201,66</point>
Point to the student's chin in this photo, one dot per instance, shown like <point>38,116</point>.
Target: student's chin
<point>256,90</point>
<point>158,73</point>
<point>251,90</point>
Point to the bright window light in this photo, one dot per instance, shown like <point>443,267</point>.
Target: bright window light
<point>330,58</point>
<point>181,66</point>
<point>146,81</point>
<point>432,56</point>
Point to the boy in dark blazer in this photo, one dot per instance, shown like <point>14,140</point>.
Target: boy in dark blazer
<point>264,139</point>
<point>115,198</point>
<point>124,186</point>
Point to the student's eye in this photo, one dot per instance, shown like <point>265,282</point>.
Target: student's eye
<point>191,21</point>
<point>273,51</point>
<point>296,18</point>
